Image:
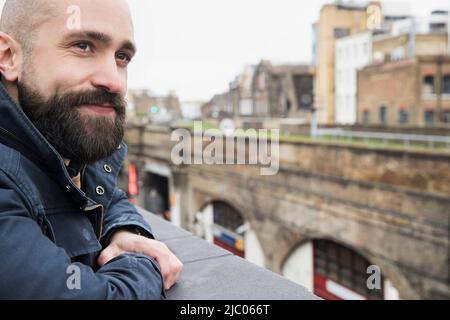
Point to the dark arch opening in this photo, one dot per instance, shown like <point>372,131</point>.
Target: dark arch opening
<point>227,216</point>
<point>337,268</point>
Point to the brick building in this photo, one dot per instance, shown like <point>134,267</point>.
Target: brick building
<point>410,92</point>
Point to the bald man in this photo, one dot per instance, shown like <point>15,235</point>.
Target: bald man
<point>66,230</point>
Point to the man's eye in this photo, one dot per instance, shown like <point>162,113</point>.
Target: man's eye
<point>123,57</point>
<point>84,46</point>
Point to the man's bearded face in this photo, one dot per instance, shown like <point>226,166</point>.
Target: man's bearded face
<point>76,135</point>
<point>72,81</point>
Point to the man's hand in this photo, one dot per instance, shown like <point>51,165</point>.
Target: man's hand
<point>124,241</point>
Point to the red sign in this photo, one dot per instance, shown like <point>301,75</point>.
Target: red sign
<point>132,181</point>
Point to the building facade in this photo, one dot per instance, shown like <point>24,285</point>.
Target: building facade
<point>336,21</point>
<point>409,92</point>
<point>283,91</point>
<point>351,54</point>
<point>266,91</point>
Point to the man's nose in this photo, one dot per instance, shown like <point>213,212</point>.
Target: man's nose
<point>108,77</point>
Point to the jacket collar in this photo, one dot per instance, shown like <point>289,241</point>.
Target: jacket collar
<point>16,127</point>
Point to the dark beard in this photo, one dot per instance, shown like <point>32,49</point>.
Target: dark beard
<point>84,139</point>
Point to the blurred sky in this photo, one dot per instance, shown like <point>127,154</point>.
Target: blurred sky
<point>196,47</point>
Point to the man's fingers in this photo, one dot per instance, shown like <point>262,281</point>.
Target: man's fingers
<point>164,264</point>
<point>173,275</point>
<point>177,268</point>
<point>104,258</point>
<point>107,255</point>
<point>169,264</point>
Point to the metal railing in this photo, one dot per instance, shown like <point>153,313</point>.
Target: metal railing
<point>431,141</point>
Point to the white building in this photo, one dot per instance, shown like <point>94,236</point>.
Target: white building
<point>436,22</point>
<point>351,54</point>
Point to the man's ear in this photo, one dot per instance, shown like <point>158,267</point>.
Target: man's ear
<point>9,58</point>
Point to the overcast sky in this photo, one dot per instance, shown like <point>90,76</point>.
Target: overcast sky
<point>196,47</point>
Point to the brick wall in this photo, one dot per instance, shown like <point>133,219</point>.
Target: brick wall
<point>392,85</point>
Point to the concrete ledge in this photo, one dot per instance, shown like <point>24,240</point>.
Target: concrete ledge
<point>212,273</point>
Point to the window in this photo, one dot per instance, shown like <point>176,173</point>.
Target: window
<point>446,84</point>
<point>438,27</point>
<point>446,116</point>
<point>304,91</point>
<point>429,117</point>
<point>341,32</point>
<point>366,117</point>
<point>383,115</point>
<point>428,85</point>
<point>403,117</point>
<point>398,54</point>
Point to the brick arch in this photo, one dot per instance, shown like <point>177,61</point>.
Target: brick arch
<point>389,271</point>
